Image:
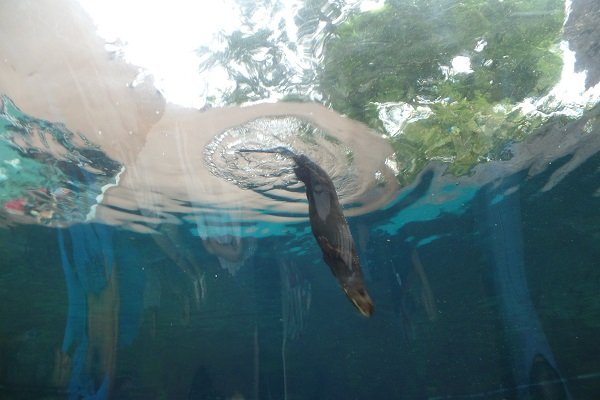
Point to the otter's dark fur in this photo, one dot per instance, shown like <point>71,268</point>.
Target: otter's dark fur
<point>330,228</point>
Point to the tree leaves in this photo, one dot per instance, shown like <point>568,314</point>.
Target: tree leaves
<point>403,52</point>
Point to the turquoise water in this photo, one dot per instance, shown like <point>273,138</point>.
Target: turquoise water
<point>145,255</point>
<point>466,303</point>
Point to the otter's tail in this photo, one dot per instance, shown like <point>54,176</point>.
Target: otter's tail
<point>277,150</point>
<point>303,163</point>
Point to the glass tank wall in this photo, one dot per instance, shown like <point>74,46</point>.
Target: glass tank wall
<point>299,199</point>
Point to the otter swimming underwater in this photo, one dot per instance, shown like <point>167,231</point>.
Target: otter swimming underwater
<point>329,227</point>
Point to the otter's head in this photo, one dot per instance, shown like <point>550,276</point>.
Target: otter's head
<point>360,298</point>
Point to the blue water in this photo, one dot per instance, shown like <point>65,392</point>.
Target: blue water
<point>496,300</point>
<point>485,285</point>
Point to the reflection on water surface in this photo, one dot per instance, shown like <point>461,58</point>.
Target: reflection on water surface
<point>142,255</point>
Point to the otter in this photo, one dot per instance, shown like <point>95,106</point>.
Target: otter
<point>329,227</point>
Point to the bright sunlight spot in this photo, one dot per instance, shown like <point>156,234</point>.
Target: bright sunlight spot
<point>162,38</point>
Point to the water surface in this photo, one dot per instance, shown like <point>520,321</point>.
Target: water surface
<point>143,256</point>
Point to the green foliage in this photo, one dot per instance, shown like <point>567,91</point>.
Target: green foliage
<point>461,133</point>
<point>388,55</point>
<point>396,54</point>
<point>402,53</point>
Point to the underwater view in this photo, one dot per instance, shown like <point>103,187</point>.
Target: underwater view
<point>300,199</point>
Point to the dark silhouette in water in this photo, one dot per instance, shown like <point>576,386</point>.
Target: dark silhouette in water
<point>329,227</point>
<point>535,372</point>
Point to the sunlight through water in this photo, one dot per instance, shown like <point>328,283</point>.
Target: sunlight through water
<point>162,38</point>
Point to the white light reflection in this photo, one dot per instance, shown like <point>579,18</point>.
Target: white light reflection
<point>569,97</point>
<point>371,5</point>
<point>162,37</point>
<point>461,65</point>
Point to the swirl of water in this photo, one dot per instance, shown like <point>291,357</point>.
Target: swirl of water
<point>272,173</point>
